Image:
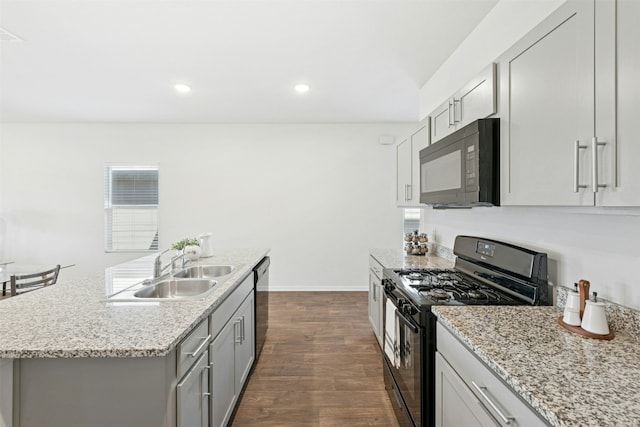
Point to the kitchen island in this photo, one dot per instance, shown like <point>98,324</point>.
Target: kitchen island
<point>567,380</point>
<point>103,361</point>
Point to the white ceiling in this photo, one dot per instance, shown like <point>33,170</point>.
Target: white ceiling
<point>117,60</point>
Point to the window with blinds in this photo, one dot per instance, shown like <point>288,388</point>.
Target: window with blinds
<point>411,220</point>
<point>131,208</point>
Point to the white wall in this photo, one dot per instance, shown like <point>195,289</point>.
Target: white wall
<point>318,195</point>
<point>587,243</point>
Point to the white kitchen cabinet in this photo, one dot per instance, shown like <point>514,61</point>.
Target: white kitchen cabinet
<point>232,352</point>
<point>192,395</point>
<point>475,100</point>
<point>403,172</point>
<point>375,298</point>
<point>562,142</point>
<point>408,165</point>
<point>468,393</point>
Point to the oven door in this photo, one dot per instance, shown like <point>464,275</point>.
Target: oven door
<point>407,372</point>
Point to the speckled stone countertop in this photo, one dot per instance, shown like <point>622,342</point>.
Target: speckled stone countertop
<point>74,318</point>
<point>396,258</point>
<point>569,380</point>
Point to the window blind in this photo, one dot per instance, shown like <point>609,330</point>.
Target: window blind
<point>131,208</point>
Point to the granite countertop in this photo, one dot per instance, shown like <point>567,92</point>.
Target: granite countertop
<point>74,318</point>
<point>396,258</point>
<point>569,380</point>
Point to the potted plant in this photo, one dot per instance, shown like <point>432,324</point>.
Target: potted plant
<point>189,246</point>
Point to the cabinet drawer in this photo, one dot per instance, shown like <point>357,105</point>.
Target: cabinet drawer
<point>481,380</point>
<point>375,266</point>
<point>192,347</point>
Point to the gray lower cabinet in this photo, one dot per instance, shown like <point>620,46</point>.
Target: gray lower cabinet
<point>232,353</point>
<point>192,394</point>
<point>468,393</point>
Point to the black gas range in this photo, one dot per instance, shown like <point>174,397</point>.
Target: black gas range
<point>486,272</point>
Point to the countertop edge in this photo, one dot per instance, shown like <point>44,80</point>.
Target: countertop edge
<point>148,351</point>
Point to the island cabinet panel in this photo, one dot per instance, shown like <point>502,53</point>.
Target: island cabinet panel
<point>193,395</point>
<point>96,392</point>
<point>232,354</point>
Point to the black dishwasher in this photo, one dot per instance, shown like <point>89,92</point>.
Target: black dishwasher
<point>261,282</point>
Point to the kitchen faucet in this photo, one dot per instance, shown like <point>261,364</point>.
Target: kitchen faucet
<point>158,269</point>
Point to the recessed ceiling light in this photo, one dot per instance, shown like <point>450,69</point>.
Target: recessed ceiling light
<point>182,88</point>
<point>302,88</point>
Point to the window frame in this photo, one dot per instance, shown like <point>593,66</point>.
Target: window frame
<point>110,207</point>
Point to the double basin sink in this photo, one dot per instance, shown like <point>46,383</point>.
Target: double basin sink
<point>193,282</point>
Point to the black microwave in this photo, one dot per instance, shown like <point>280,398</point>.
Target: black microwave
<point>462,170</point>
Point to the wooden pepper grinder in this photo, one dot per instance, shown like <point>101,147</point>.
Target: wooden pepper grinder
<point>583,287</point>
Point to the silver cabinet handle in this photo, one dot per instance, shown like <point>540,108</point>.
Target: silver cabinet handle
<point>236,336</point>
<point>576,166</point>
<point>505,419</point>
<point>204,342</point>
<point>454,111</point>
<point>449,111</point>
<point>409,195</point>
<point>242,337</point>
<point>594,161</point>
<point>375,292</point>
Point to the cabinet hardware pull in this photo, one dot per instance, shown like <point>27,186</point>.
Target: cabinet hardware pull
<point>409,192</point>
<point>454,110</point>
<point>505,419</point>
<point>576,166</point>
<point>236,336</point>
<point>449,112</point>
<point>204,342</point>
<point>594,158</point>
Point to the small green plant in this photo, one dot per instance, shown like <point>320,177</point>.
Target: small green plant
<point>189,241</point>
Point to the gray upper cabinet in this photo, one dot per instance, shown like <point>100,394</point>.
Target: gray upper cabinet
<point>553,151</point>
<point>476,100</point>
<point>403,172</point>
<point>617,102</point>
<point>408,165</point>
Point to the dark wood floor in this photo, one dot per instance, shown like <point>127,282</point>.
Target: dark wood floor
<point>321,366</point>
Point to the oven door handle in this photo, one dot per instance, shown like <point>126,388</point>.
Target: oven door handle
<point>407,322</point>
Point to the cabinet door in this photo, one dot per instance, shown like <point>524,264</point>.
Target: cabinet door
<point>618,102</point>
<point>419,140</point>
<point>223,382</point>
<point>547,86</point>
<point>244,341</point>
<point>477,100</point>
<point>442,121</point>
<point>193,395</point>
<point>456,405</point>
<point>403,172</point>
<point>374,305</point>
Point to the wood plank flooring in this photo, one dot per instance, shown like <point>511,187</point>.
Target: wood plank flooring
<point>320,367</point>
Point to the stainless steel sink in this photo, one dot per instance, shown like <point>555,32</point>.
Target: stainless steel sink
<point>176,288</point>
<point>205,271</point>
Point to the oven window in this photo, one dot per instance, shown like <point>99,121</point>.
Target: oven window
<point>442,173</point>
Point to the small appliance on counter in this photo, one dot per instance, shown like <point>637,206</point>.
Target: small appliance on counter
<point>583,316</point>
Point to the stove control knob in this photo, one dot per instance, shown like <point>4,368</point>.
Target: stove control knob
<point>408,309</point>
<point>388,285</point>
